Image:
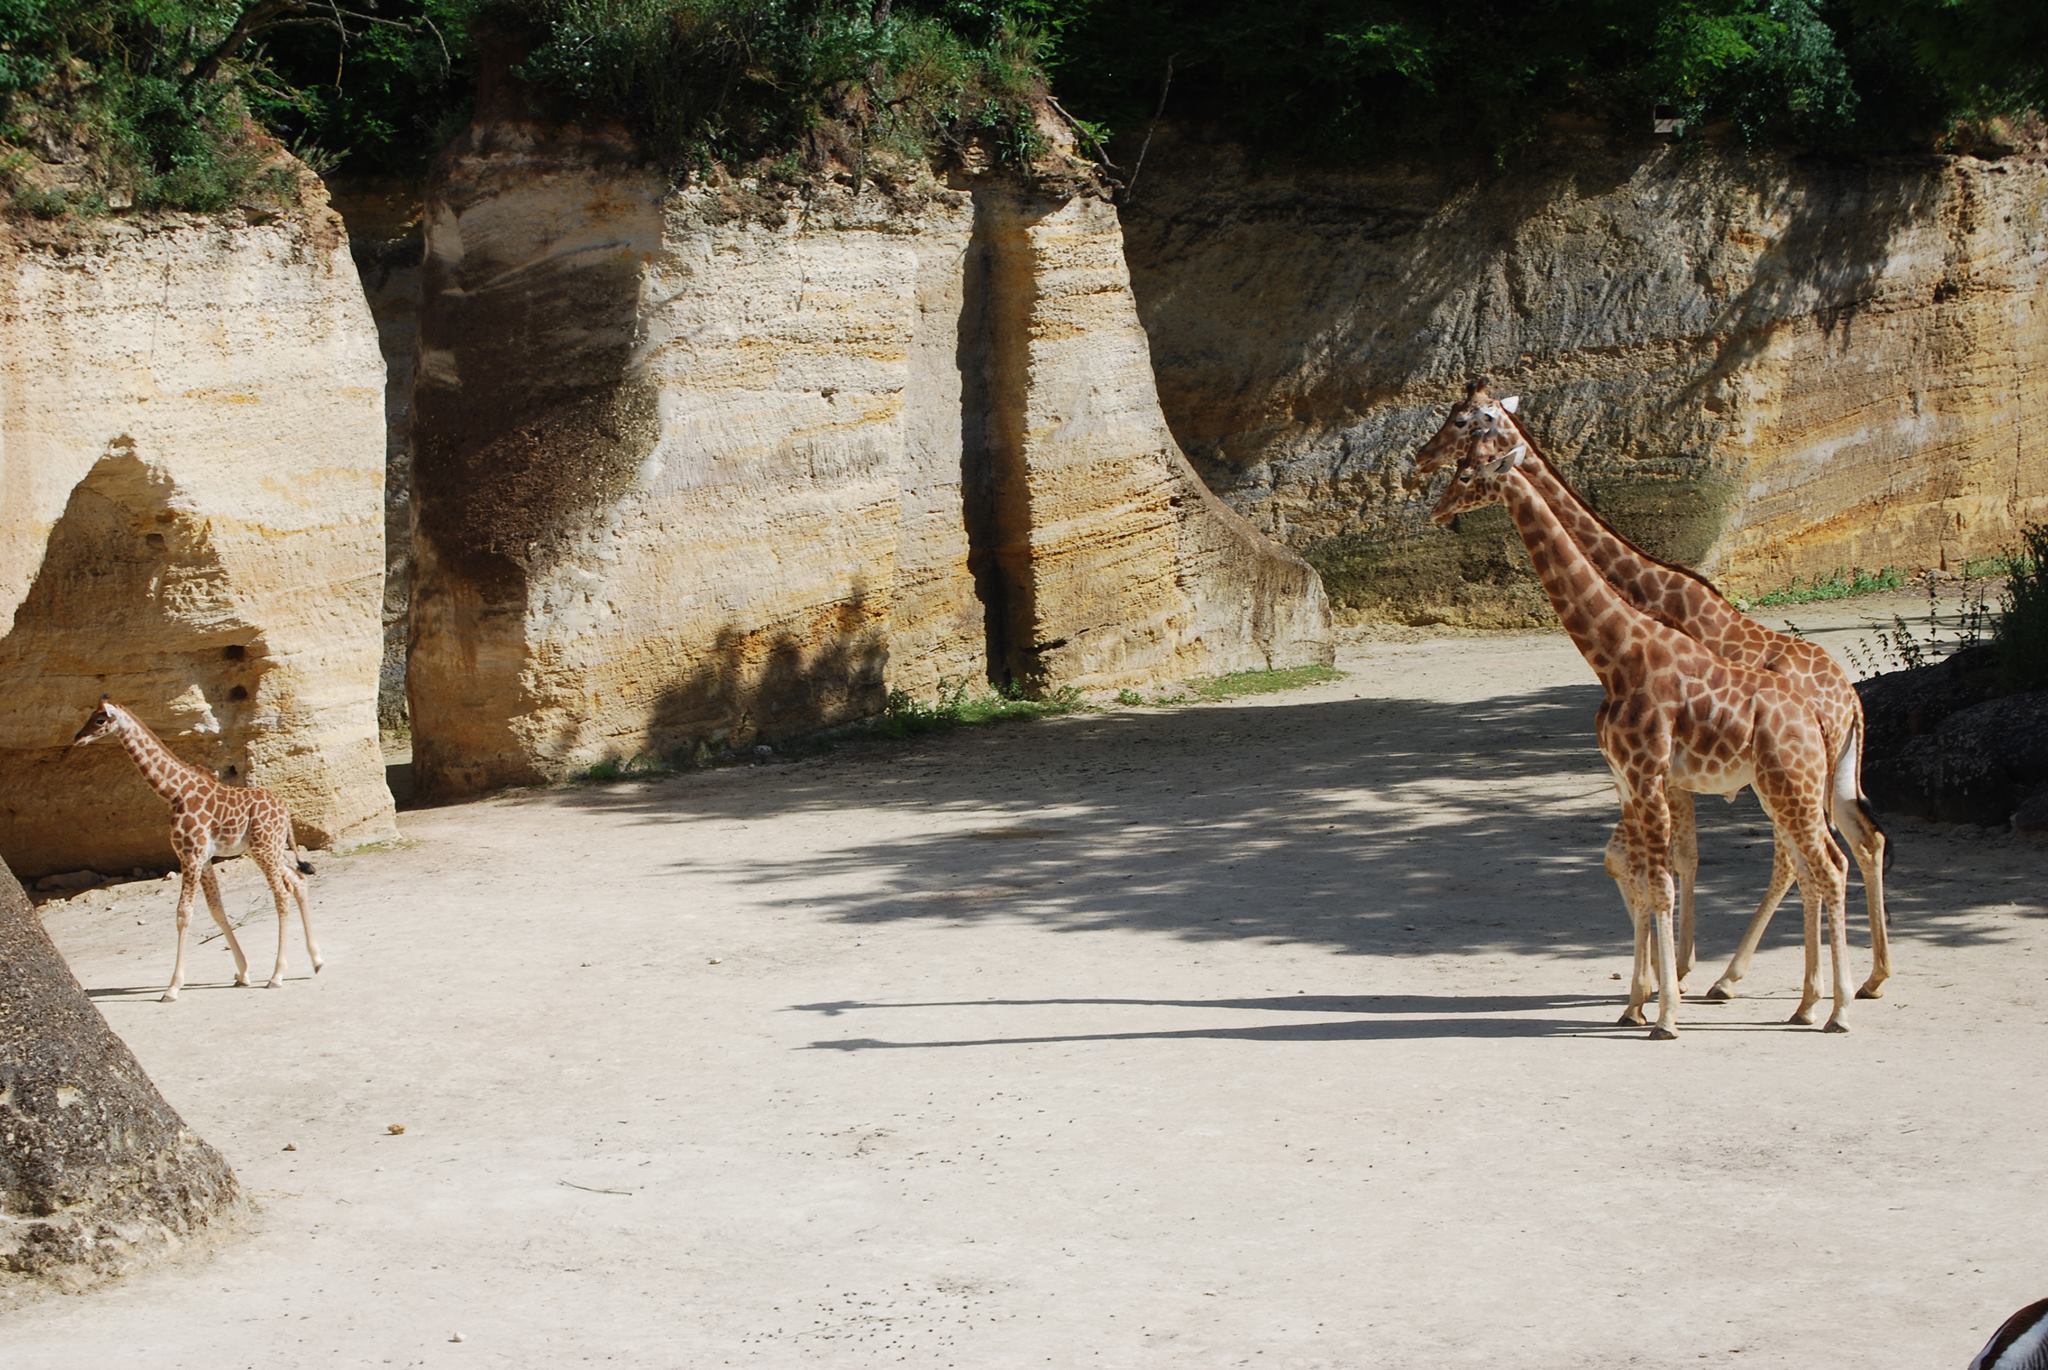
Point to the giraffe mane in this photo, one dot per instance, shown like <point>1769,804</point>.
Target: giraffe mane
<point>1601,519</point>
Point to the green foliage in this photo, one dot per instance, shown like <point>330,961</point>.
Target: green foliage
<point>705,81</point>
<point>955,706</point>
<point>1840,585</point>
<point>381,99</point>
<point>1336,79</point>
<point>2021,634</point>
<point>101,88</point>
<point>1238,684</point>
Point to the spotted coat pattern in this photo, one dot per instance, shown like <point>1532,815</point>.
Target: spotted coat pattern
<point>1676,715</point>
<point>212,820</point>
<point>1686,601</point>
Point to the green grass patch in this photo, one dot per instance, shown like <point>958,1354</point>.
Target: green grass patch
<point>1840,585</point>
<point>956,706</point>
<point>636,767</point>
<point>1236,685</point>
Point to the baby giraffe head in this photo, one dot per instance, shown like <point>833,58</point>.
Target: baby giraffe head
<point>105,720</point>
<point>1480,477</point>
<point>1477,418</point>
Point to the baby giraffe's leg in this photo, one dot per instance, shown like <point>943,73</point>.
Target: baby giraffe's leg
<point>210,882</point>
<point>1738,966</point>
<point>276,879</point>
<point>188,886</point>
<point>297,883</point>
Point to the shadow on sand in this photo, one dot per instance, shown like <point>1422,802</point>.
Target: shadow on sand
<point>1376,826</point>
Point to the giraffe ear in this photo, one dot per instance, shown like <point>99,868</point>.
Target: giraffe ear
<point>105,698</point>
<point>1511,403</point>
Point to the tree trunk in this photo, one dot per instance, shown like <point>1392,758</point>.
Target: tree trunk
<point>97,1173</point>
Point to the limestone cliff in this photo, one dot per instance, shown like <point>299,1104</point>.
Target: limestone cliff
<point>191,466</point>
<point>1768,367</point>
<point>699,465</point>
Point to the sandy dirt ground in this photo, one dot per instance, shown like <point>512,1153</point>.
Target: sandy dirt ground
<point>1276,1033</point>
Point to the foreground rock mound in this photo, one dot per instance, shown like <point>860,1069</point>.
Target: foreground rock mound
<point>698,466</point>
<point>97,1173</point>
<point>1766,367</point>
<point>191,445</point>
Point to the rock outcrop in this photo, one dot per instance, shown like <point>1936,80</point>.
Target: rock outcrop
<point>1769,368</point>
<point>191,455</point>
<point>695,466</point>
<point>97,1173</point>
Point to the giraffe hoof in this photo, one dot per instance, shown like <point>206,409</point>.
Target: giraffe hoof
<point>169,996</point>
<point>317,965</point>
<point>1719,994</point>
<point>1803,1018</point>
<point>1835,1025</point>
<point>241,982</point>
<point>274,982</point>
<point>1871,991</point>
<point>1661,1033</point>
<point>1630,1018</point>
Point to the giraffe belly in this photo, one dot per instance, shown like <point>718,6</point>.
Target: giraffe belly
<point>1706,775</point>
<point>226,846</point>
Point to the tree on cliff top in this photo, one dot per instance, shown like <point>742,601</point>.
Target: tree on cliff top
<point>97,1173</point>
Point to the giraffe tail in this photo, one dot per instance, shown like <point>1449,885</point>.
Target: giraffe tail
<point>1848,786</point>
<point>299,856</point>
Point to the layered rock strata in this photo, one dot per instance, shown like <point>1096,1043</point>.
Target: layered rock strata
<point>97,1173</point>
<point>191,455</point>
<point>1773,369</point>
<point>704,465</point>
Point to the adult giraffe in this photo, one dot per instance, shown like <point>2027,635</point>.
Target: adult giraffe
<point>1675,716</point>
<point>1683,599</point>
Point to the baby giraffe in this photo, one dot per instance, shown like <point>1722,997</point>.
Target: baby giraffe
<point>208,820</point>
<point>1676,715</point>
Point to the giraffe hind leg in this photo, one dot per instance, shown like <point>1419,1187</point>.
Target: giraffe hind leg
<point>1867,843</point>
<point>297,884</point>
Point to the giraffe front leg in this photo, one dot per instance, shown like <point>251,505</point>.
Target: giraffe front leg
<point>1685,864</point>
<point>187,888</point>
<point>1639,987</point>
<point>210,883</point>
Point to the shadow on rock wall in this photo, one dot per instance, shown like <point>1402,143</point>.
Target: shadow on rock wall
<point>131,600</point>
<point>769,684</point>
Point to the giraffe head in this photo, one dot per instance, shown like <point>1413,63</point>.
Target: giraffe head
<point>105,721</point>
<point>1474,420</point>
<point>1481,475</point>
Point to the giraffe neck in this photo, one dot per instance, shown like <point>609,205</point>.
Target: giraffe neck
<point>166,774</point>
<point>1592,611</point>
<point>1698,609</point>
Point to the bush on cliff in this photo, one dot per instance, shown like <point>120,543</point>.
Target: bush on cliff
<point>732,81</point>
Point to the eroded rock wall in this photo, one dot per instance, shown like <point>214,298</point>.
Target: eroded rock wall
<point>700,466</point>
<point>1769,368</point>
<point>191,468</point>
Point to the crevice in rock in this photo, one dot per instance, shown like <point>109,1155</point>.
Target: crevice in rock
<point>995,368</point>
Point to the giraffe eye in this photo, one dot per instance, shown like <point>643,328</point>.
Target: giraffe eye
<point>1462,420</point>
